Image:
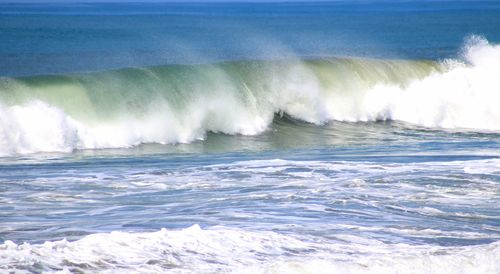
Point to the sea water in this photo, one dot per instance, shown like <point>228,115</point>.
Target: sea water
<point>341,137</point>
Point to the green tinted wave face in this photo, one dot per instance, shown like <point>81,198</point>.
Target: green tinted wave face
<point>134,91</point>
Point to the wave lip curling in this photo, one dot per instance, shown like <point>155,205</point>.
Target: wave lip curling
<point>180,104</point>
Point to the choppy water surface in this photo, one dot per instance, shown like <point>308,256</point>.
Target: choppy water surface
<point>255,138</point>
<point>390,199</point>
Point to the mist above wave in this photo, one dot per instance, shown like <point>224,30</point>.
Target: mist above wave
<point>180,104</point>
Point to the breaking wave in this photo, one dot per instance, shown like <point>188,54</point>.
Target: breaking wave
<point>221,249</point>
<point>181,103</point>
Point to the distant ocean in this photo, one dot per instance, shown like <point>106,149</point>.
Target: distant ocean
<point>315,137</point>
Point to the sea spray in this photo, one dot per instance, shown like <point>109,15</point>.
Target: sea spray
<point>181,103</point>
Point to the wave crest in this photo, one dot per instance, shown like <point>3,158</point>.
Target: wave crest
<point>180,104</point>
<point>221,249</point>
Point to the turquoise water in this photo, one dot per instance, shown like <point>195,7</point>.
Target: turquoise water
<point>269,138</point>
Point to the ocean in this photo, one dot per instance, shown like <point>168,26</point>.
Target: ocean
<point>292,137</point>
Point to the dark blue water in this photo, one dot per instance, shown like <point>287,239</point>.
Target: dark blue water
<point>342,137</point>
<point>55,38</point>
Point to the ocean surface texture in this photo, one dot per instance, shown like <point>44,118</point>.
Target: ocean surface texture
<point>342,137</point>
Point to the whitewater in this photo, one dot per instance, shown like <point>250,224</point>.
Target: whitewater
<point>180,104</point>
<point>346,215</point>
<point>311,137</point>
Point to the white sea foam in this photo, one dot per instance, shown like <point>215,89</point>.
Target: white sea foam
<point>221,249</point>
<point>316,242</point>
<point>40,127</point>
<point>465,95</point>
<point>35,127</point>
